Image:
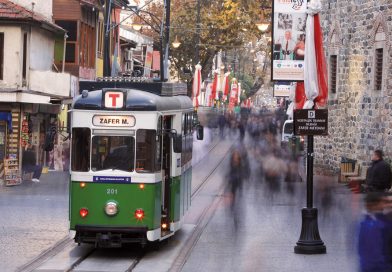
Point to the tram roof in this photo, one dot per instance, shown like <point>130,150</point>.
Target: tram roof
<point>135,100</point>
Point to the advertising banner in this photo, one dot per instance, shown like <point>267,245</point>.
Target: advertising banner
<point>148,61</point>
<point>284,88</point>
<point>288,46</point>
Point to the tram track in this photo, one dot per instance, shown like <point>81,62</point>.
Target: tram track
<point>67,243</point>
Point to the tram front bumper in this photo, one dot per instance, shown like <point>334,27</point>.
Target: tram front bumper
<point>108,236</point>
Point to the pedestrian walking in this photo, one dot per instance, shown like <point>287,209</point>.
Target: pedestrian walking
<point>378,177</point>
<point>29,164</point>
<point>241,129</point>
<point>374,236</point>
<point>222,125</point>
<point>239,170</point>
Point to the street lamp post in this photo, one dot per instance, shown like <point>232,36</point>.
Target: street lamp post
<point>197,57</point>
<point>310,241</point>
<point>164,73</point>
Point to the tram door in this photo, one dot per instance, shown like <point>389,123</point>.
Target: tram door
<point>166,155</point>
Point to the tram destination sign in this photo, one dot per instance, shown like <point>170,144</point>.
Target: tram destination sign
<point>114,121</point>
<point>311,122</point>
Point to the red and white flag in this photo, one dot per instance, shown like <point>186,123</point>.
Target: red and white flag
<point>196,90</point>
<point>233,94</point>
<point>215,86</point>
<point>207,98</point>
<point>226,86</point>
<point>239,93</point>
<point>313,92</point>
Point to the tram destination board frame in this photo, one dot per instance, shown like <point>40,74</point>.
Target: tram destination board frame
<point>311,122</point>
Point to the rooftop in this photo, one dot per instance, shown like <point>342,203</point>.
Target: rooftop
<point>12,12</point>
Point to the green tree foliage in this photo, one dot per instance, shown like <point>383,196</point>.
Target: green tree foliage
<point>224,25</point>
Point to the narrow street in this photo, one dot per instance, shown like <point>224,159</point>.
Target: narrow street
<point>257,233</point>
<point>195,136</point>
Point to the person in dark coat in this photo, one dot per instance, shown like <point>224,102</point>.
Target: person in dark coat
<point>222,125</point>
<point>29,164</point>
<point>378,177</point>
<point>241,128</point>
<point>239,171</point>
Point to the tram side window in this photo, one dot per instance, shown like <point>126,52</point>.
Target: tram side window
<point>81,149</point>
<point>183,128</point>
<point>158,139</point>
<point>146,153</point>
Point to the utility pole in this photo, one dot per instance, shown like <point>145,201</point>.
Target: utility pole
<point>167,41</point>
<point>106,46</point>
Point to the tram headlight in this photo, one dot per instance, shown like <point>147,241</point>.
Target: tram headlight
<point>111,208</point>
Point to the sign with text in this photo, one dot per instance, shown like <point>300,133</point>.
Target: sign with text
<point>284,88</point>
<point>114,121</point>
<point>311,122</point>
<point>114,100</point>
<point>12,174</point>
<point>116,179</point>
<point>288,46</point>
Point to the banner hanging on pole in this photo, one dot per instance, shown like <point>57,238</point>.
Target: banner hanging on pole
<point>288,45</point>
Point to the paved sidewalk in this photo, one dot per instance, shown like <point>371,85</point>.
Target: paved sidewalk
<point>269,225</point>
<point>34,216</point>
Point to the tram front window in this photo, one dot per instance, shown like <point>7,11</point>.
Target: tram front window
<point>113,152</point>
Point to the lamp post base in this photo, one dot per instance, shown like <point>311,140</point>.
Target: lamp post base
<point>310,241</point>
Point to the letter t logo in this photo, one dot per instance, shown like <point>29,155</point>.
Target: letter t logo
<point>114,100</point>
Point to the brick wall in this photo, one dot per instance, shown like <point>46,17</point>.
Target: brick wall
<point>360,117</point>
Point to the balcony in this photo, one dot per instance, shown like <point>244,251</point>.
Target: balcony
<point>57,85</point>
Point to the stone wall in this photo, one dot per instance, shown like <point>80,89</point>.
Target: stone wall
<point>360,117</point>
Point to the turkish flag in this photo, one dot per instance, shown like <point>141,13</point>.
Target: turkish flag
<point>313,92</point>
<point>215,85</point>
<point>196,85</point>
<point>322,74</point>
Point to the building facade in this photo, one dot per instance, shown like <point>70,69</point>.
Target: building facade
<point>80,19</point>
<point>357,40</point>
<point>31,90</point>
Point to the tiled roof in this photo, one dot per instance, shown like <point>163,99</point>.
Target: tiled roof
<point>10,11</point>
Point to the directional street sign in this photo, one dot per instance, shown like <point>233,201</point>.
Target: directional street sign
<point>311,122</point>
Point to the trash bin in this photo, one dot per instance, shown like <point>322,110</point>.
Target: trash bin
<point>346,165</point>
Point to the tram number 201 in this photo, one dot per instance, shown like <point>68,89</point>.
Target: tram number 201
<point>111,191</point>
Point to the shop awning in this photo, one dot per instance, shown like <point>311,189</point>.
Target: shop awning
<point>7,116</point>
<point>23,97</point>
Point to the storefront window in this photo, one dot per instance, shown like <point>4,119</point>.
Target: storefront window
<point>113,152</point>
<point>81,149</point>
<point>146,151</point>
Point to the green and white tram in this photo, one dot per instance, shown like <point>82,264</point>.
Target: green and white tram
<point>130,165</point>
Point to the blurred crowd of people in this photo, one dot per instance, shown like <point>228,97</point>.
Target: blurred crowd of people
<point>277,161</point>
<point>260,157</point>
